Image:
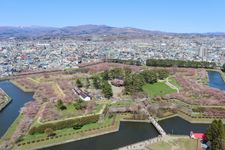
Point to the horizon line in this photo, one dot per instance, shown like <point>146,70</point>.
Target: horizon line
<point>140,28</point>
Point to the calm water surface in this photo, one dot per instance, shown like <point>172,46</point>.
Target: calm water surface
<point>129,132</point>
<point>216,80</point>
<point>179,126</point>
<point>11,111</point>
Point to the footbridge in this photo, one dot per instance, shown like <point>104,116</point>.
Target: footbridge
<point>157,126</point>
<point>155,123</point>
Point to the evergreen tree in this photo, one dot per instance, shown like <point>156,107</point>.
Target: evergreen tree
<point>96,82</point>
<point>133,83</point>
<point>127,71</point>
<point>105,75</point>
<point>116,73</point>
<point>149,76</point>
<point>128,84</point>
<point>215,134</point>
<point>87,83</point>
<point>79,83</point>
<point>80,104</point>
<point>162,74</point>
<point>107,89</point>
<point>138,82</point>
<point>60,105</point>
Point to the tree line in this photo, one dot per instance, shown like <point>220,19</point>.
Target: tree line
<point>127,62</point>
<point>180,63</point>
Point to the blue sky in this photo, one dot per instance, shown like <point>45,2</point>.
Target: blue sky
<point>163,15</point>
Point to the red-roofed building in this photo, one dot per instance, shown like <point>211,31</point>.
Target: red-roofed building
<point>200,136</point>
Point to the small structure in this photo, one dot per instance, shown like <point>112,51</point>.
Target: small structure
<point>83,95</point>
<point>200,136</point>
<point>117,82</point>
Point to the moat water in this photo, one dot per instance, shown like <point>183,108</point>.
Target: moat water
<point>216,80</point>
<point>11,111</point>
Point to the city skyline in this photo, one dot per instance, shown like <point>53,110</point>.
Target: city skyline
<point>174,16</point>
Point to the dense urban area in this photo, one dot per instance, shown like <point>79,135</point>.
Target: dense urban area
<point>36,54</point>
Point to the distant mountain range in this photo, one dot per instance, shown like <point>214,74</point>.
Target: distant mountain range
<point>77,31</point>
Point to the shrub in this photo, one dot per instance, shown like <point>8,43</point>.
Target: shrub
<point>77,126</point>
<point>79,83</point>
<point>80,104</point>
<point>110,115</point>
<point>49,132</point>
<point>63,107</point>
<point>198,109</point>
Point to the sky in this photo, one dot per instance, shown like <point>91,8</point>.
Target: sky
<point>163,15</point>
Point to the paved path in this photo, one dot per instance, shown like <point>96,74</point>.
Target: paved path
<point>141,145</point>
<point>144,145</point>
<point>171,85</point>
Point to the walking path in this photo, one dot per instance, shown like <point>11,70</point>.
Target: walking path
<point>171,85</point>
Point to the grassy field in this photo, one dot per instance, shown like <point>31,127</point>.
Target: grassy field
<point>176,144</point>
<point>157,89</point>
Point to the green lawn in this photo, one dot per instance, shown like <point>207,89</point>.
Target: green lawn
<point>157,89</point>
<point>70,108</point>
